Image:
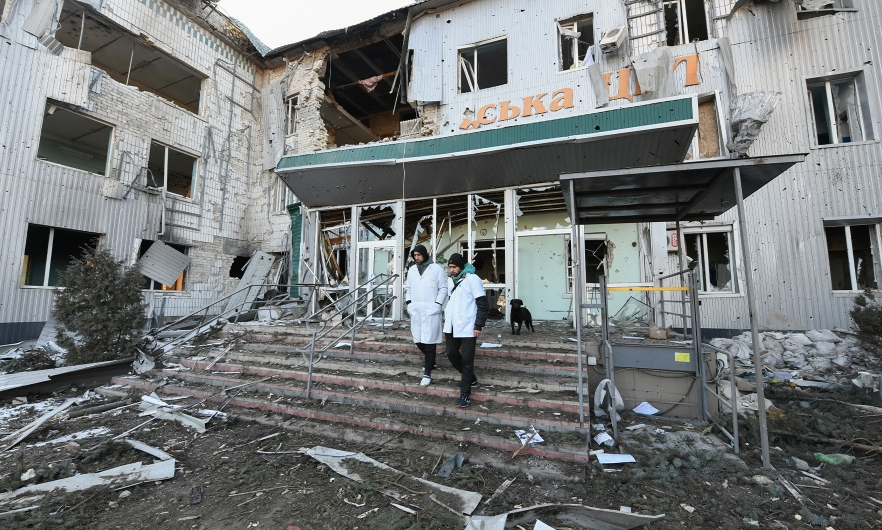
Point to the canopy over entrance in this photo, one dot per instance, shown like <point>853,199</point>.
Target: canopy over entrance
<point>696,191</point>
<point>641,135</point>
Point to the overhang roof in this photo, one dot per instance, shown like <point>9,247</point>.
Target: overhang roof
<point>640,135</point>
<point>692,191</point>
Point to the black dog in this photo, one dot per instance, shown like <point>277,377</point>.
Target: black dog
<point>520,315</point>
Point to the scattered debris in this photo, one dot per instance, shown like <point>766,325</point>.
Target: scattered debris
<point>532,437</point>
<point>576,514</point>
<point>13,439</point>
<point>454,462</point>
<point>835,459</point>
<point>610,458</point>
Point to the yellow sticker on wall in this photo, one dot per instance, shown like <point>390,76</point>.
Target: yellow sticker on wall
<point>682,357</point>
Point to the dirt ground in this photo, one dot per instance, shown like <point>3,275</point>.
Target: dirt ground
<point>249,474</point>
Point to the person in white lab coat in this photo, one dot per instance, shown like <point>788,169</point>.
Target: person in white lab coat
<point>424,294</point>
<point>464,318</point>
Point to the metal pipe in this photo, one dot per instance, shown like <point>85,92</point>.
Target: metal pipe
<point>131,57</point>
<point>82,28</point>
<point>578,288</point>
<point>751,306</point>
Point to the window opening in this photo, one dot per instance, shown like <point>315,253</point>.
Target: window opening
<point>709,254</point>
<point>816,8</point>
<point>839,111</point>
<point>291,115</point>
<point>707,142</point>
<point>55,246</point>
<point>237,268</point>
<point>853,254</point>
<point>576,41</point>
<point>73,140</point>
<point>113,49</point>
<point>152,285</point>
<point>283,196</point>
<point>376,223</point>
<point>484,66</point>
<point>335,247</point>
<point>418,228</point>
<point>685,21</point>
<point>595,261</point>
<point>170,169</point>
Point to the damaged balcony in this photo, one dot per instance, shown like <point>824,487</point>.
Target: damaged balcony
<point>129,59</point>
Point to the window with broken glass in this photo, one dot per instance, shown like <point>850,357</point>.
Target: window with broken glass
<point>576,39</point>
<point>853,252</point>
<point>73,140</point>
<point>49,251</point>
<point>685,21</point>
<point>291,115</point>
<point>483,66</point>
<point>593,265</point>
<point>840,110</point>
<point>153,285</point>
<point>171,169</point>
<point>709,254</point>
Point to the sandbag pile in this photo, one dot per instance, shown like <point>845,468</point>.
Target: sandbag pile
<point>815,351</point>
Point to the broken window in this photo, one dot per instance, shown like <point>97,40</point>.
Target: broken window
<point>593,266</point>
<point>54,246</point>
<point>152,285</point>
<point>283,196</point>
<point>816,8</point>
<point>483,66</point>
<point>291,115</point>
<point>709,254</point>
<point>128,58</point>
<point>840,110</point>
<point>853,252</point>
<point>335,247</point>
<point>685,21</point>
<point>171,169</point>
<point>376,223</point>
<point>73,140</point>
<point>576,41</point>
<point>418,227</point>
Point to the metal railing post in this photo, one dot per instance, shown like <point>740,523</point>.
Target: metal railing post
<point>608,356</point>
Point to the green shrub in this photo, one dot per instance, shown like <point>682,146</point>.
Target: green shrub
<point>100,310</point>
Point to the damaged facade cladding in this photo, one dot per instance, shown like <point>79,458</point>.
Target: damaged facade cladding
<point>149,131</point>
<point>480,66</point>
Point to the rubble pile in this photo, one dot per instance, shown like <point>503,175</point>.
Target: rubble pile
<point>819,351</point>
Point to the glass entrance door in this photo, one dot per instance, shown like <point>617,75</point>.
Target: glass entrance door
<point>376,261</point>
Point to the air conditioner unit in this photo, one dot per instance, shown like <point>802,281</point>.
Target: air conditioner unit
<point>613,39</point>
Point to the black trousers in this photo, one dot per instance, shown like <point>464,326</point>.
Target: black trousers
<point>429,356</point>
<point>461,353</point>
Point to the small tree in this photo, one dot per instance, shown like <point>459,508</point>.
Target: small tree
<point>100,310</point>
<point>867,316</point>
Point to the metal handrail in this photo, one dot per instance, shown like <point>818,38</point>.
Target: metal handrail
<point>323,331</point>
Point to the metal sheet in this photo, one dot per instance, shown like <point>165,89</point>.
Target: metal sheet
<point>255,274</point>
<point>163,263</point>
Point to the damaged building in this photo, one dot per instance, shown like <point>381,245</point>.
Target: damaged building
<point>447,124</point>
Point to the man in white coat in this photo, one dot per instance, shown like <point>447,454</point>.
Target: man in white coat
<point>464,318</point>
<point>424,294</point>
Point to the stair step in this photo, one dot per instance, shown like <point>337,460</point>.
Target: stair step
<point>563,440</point>
<point>560,400</point>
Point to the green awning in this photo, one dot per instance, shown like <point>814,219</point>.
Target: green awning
<point>641,135</point>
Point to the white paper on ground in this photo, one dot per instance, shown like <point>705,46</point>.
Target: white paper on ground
<point>523,436</point>
<point>633,338</point>
<point>343,345</point>
<point>609,458</point>
<point>542,526</point>
<point>490,345</point>
<point>646,408</point>
<point>604,439</point>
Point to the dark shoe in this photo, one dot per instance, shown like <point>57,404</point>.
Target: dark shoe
<point>474,383</point>
<point>464,400</point>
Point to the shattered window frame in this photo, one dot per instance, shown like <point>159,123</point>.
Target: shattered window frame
<point>601,241</point>
<point>731,253</point>
<point>683,21</point>
<point>68,145</point>
<point>291,114</point>
<point>850,261</point>
<point>468,69</point>
<point>151,285</point>
<point>282,196</point>
<point>34,246</point>
<point>574,56</point>
<point>824,93</point>
<point>151,179</point>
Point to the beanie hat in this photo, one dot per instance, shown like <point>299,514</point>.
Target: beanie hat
<point>420,249</point>
<point>457,260</point>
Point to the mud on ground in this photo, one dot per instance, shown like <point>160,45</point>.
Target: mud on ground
<point>246,474</point>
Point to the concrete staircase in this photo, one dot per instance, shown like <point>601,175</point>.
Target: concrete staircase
<point>526,382</point>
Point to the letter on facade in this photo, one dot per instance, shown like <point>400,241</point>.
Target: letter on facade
<point>482,114</point>
<point>562,99</point>
<point>508,112</point>
<point>534,103</point>
<point>691,68</point>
